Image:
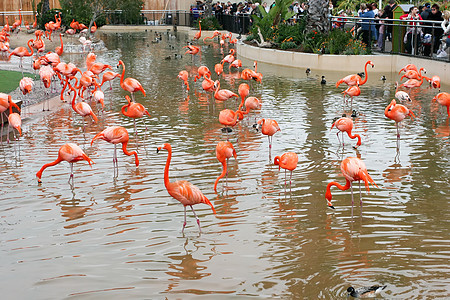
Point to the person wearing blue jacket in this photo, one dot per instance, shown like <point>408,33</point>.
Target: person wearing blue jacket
<point>367,26</point>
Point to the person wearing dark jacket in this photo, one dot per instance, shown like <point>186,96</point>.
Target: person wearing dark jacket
<point>436,32</point>
<point>389,14</point>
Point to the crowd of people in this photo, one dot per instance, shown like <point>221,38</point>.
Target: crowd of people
<point>427,36</point>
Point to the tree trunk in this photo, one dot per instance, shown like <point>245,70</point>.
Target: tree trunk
<point>208,8</point>
<point>45,6</point>
<point>318,11</point>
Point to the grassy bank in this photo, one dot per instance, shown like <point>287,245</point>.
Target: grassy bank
<point>9,80</point>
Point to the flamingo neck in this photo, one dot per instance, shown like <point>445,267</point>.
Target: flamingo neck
<point>39,173</point>
<point>217,89</point>
<point>224,171</point>
<point>166,168</point>
<point>345,187</point>
<point>123,73</point>
<point>352,136</point>
<point>367,75</point>
<point>124,149</point>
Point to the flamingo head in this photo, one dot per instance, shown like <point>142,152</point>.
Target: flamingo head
<point>328,197</point>
<point>164,146</point>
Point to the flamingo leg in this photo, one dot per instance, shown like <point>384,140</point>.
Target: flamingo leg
<point>198,220</point>
<point>360,196</point>
<point>184,223</point>
<point>351,189</point>
<point>115,162</point>
<point>285,181</point>
<point>290,182</point>
<point>71,175</point>
<point>1,132</point>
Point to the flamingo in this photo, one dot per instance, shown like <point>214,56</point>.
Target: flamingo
<point>14,120</point>
<point>98,95</point>
<point>130,84</point>
<point>215,33</point>
<point>35,21</point>
<point>252,103</point>
<point>90,60</point>
<point>355,79</point>
<point>99,67</point>
<point>352,91</point>
<point>108,76</point>
<point>191,49</point>
<point>183,191</point>
<point>413,74</point>
<point>59,50</point>
<point>397,112</point>
<point>287,161</point>
<point>82,108</point>
<point>411,83</point>
<point>227,117</point>
<point>435,81</point>
<point>134,110</point>
<point>4,48</point>
<point>202,70</point>
<point>401,95</point>
<point>116,135</point>
<point>46,73</point>
<point>243,91</point>
<point>17,23</point>
<point>93,28</point>
<point>408,67</point>
<point>6,27</point>
<point>237,63</point>
<point>4,105</point>
<point>184,75</point>
<point>208,83</point>
<point>224,150</point>
<point>222,95</point>
<point>21,52</point>
<point>444,100</point>
<point>353,169</point>
<point>69,152</point>
<point>198,34</point>
<point>345,124</point>
<point>218,68</point>
<point>269,127</point>
<point>26,85</point>
<point>230,57</point>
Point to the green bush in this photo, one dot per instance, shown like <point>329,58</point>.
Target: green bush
<point>285,31</point>
<point>356,47</point>
<point>210,23</point>
<point>288,45</point>
<point>314,42</point>
<point>337,41</point>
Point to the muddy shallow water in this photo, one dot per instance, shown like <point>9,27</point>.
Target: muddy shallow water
<point>121,238</point>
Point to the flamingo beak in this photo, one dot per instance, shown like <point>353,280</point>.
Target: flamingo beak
<point>331,206</point>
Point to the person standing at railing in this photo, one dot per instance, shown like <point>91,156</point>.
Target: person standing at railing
<point>435,31</point>
<point>446,28</point>
<point>367,26</point>
<point>412,38</point>
<point>389,14</point>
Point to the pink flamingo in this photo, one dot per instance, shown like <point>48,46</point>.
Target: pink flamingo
<point>183,191</point>
<point>184,75</point>
<point>116,135</point>
<point>224,150</point>
<point>345,124</point>
<point>108,76</point>
<point>355,79</point>
<point>444,100</point>
<point>269,127</point>
<point>243,91</point>
<point>287,161</point>
<point>223,95</point>
<point>21,52</point>
<point>130,84</point>
<point>69,152</point>
<point>353,169</point>
<point>397,112</point>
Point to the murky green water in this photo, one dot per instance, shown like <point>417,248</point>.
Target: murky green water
<point>121,239</point>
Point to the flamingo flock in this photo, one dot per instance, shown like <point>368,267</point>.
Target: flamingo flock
<point>51,67</point>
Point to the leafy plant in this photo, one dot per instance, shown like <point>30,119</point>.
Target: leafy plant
<point>210,23</point>
<point>288,45</point>
<point>337,41</point>
<point>313,42</point>
<point>356,47</point>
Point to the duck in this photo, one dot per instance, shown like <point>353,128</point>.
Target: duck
<point>308,70</point>
<point>323,81</point>
<point>371,291</point>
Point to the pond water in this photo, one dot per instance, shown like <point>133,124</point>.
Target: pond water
<point>121,238</point>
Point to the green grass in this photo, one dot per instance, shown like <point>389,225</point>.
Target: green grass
<point>9,80</point>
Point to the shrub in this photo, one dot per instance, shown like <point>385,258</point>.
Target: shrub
<point>210,23</point>
<point>337,41</point>
<point>288,45</point>
<point>356,47</point>
<point>314,42</point>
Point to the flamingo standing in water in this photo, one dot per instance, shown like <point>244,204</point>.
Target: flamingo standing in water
<point>397,112</point>
<point>130,84</point>
<point>252,103</point>
<point>402,96</point>
<point>223,95</point>
<point>215,33</point>
<point>435,81</point>
<point>413,74</point>
<point>355,79</point>
<point>224,150</point>
<point>183,191</point>
<point>227,117</point>
<point>108,76</point>
<point>5,101</point>
<point>287,161</point>
<point>208,83</point>
<point>202,70</point>
<point>60,50</point>
<point>345,124</point>
<point>444,100</point>
<point>134,110</point>
<point>269,127</point>
<point>353,169</point>
<point>352,91</point>
<point>408,67</point>
<point>21,52</point>
<point>191,49</point>
<point>243,91</point>
<point>69,152</point>
<point>184,75</point>
<point>218,68</point>
<point>116,135</point>
<point>198,35</point>
<point>82,108</point>
<point>14,120</point>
